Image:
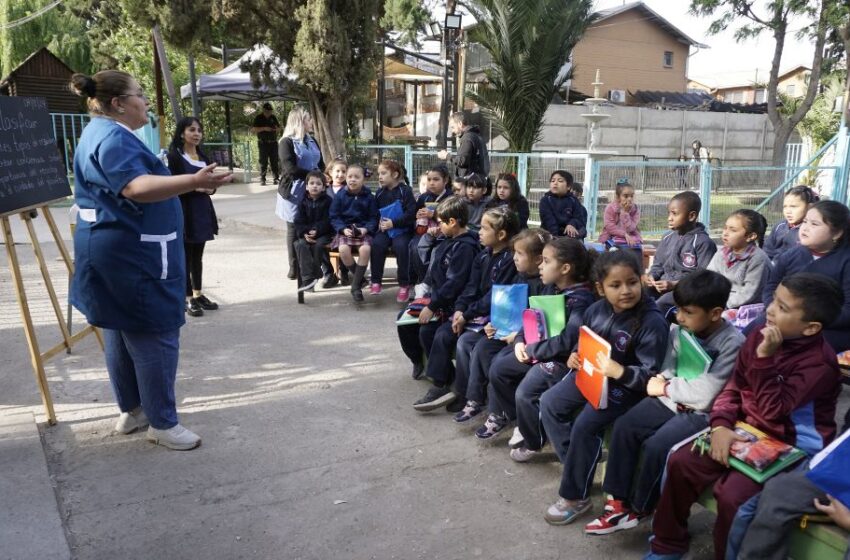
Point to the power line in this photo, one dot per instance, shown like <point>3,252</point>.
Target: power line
<point>32,16</point>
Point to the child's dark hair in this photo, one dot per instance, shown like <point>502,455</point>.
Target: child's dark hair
<point>577,189</point>
<point>753,223</point>
<point>703,288</point>
<point>460,181</point>
<point>804,193</point>
<point>609,259</point>
<point>837,217</point>
<point>821,296</point>
<point>453,207</point>
<point>516,192</point>
<point>568,177</point>
<point>442,170</point>
<point>177,144</point>
<point>573,252</point>
<point>503,219</point>
<point>622,184</point>
<point>478,181</point>
<point>690,199</point>
<point>351,166</point>
<point>533,240</point>
<point>316,175</point>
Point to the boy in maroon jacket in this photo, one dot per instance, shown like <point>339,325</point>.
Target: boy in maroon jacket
<point>786,383</point>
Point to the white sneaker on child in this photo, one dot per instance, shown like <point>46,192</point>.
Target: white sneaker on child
<point>421,290</point>
<point>516,440</point>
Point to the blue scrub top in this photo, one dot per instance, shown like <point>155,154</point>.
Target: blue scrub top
<point>130,264</point>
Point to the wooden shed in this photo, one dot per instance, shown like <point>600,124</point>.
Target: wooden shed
<point>43,74</point>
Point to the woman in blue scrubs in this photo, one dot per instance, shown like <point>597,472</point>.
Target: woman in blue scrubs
<point>130,275</point>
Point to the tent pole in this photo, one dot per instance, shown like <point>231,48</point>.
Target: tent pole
<point>228,123</point>
<point>196,109</point>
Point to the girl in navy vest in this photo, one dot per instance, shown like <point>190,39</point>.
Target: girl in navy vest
<point>200,223</point>
<point>393,231</point>
<point>508,193</point>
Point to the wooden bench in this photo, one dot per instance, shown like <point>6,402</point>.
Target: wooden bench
<point>333,255</point>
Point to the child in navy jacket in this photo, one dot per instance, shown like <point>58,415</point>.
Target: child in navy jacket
<point>448,275</point>
<point>354,217</point>
<point>426,229</point>
<point>561,213</point>
<point>396,232</point>
<point>784,235</point>
<point>313,231</point>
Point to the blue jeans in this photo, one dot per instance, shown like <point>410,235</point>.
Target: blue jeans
<point>142,369</point>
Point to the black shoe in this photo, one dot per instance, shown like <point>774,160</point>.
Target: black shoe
<point>291,274</point>
<point>194,308</point>
<point>435,398</point>
<point>357,294</point>
<point>263,182</point>
<point>277,180</point>
<point>308,286</point>
<point>329,281</point>
<point>345,280</point>
<point>205,303</point>
<point>418,371</point>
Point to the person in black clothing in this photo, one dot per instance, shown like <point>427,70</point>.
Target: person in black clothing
<point>266,127</point>
<point>314,231</point>
<point>200,223</point>
<point>471,154</point>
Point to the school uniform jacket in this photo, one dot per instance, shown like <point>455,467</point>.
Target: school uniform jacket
<point>448,273</point>
<point>680,254</point>
<point>782,237</point>
<point>314,215</point>
<point>488,269</point>
<point>476,212</point>
<point>748,276</point>
<point>428,196</point>
<point>536,286</point>
<point>638,338</point>
<point>557,212</point>
<point>404,194</point>
<point>359,209</point>
<point>698,394</point>
<point>558,348</point>
<point>791,395</point>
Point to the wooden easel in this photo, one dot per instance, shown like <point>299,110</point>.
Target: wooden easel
<point>68,339</point>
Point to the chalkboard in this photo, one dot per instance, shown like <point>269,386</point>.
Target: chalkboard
<point>31,168</point>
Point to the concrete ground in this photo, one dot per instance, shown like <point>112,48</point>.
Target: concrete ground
<point>311,449</point>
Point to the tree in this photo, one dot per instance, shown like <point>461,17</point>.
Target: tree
<point>774,17</point>
<point>529,42</point>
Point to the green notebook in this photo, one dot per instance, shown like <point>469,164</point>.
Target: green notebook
<point>554,309</point>
<point>408,319</point>
<point>691,360</point>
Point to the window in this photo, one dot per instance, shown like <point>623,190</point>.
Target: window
<point>389,85</point>
<point>761,95</point>
<point>432,89</point>
<point>790,89</point>
<point>668,59</point>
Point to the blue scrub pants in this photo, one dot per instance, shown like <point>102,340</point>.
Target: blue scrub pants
<point>142,369</point>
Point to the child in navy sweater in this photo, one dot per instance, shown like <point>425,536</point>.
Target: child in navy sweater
<point>785,234</point>
<point>561,213</point>
<point>354,217</point>
<point>396,231</point>
<point>426,229</point>
<point>448,275</point>
<point>508,193</point>
<point>477,191</point>
<point>629,320</point>
<point>313,231</point>
<point>685,249</point>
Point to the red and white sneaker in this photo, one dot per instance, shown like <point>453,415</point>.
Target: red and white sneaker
<point>403,294</point>
<point>375,289</point>
<point>616,517</point>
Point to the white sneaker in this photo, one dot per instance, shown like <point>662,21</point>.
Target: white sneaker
<point>129,422</point>
<point>516,440</point>
<point>176,437</point>
<point>421,290</point>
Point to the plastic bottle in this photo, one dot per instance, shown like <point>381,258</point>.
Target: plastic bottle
<point>163,157</point>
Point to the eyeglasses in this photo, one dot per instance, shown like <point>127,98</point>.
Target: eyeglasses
<point>142,96</point>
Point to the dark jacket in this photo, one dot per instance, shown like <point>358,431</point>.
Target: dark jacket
<point>521,208</point>
<point>289,170</point>
<point>359,209</point>
<point>790,395</point>
<point>476,212</point>
<point>638,340</point>
<point>314,215</point>
<point>448,273</point>
<point>471,156</point>
<point>488,269</point>
<point>557,212</point>
<point>428,197</point>
<point>200,223</point>
<point>404,194</point>
<point>680,254</point>
<point>782,237</point>
<point>558,348</point>
<point>536,286</point>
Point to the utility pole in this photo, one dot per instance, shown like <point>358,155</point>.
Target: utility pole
<point>166,73</point>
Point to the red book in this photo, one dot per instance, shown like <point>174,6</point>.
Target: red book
<point>590,380</point>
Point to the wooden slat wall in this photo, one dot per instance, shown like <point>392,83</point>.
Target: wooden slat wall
<point>46,76</point>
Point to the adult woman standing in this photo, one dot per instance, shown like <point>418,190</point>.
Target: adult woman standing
<point>130,266</point>
<point>299,154</point>
<point>200,223</point>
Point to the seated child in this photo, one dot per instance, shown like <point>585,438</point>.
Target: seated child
<point>784,235</point>
<point>629,320</point>
<point>426,228</point>
<point>494,265</point>
<point>354,217</point>
<point>621,218</point>
<point>459,187</point>
<point>335,174</point>
<point>476,196</point>
<point>313,231</point>
<point>685,249</point>
<point>448,276</point>
<point>676,408</point>
<point>395,232</point>
<point>561,213</point>
<point>785,383</point>
<point>509,194</point>
<point>741,259</point>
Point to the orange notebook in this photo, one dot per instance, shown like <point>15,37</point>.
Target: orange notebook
<point>589,378</point>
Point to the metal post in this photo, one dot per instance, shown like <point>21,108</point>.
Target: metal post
<point>382,94</point>
<point>415,106</point>
<point>591,176</point>
<point>522,173</point>
<point>228,126</point>
<point>705,193</point>
<point>196,109</point>
<point>443,133</point>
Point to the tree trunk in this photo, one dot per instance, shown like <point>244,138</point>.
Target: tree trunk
<point>781,134</point>
<point>328,118</point>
